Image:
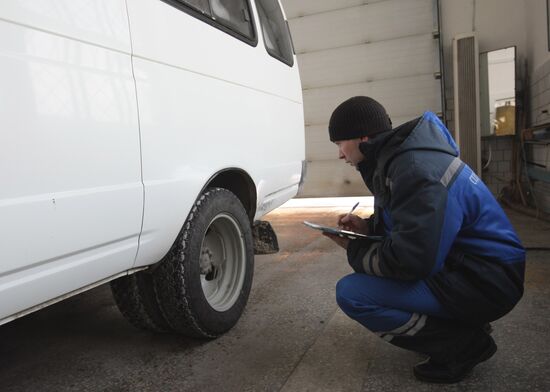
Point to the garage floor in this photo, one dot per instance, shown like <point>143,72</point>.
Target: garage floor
<point>292,336</point>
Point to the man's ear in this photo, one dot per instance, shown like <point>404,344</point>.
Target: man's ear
<point>364,138</point>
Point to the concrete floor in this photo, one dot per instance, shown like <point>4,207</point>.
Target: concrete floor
<point>292,336</point>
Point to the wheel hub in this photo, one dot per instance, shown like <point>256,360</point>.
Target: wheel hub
<point>222,262</point>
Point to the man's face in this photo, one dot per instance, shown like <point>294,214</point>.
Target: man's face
<point>349,150</point>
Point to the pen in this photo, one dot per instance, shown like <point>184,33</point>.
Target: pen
<point>353,208</point>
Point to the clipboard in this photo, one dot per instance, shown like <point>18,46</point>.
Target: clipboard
<point>343,233</point>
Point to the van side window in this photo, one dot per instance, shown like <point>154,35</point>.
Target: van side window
<point>199,5</point>
<point>231,16</point>
<point>234,14</point>
<point>275,31</point>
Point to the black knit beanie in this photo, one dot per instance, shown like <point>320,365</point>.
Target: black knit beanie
<point>358,117</point>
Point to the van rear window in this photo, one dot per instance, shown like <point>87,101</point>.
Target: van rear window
<point>231,16</point>
<point>275,31</point>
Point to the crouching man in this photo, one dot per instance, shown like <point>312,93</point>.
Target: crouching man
<point>450,261</point>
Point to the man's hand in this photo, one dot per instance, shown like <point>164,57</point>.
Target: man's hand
<point>353,223</point>
<point>343,242</point>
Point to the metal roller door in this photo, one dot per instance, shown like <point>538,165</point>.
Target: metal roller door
<point>386,49</point>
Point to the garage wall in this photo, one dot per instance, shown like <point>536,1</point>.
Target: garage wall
<point>536,31</point>
<point>539,93</point>
<point>497,23</point>
<point>539,64</point>
<point>385,49</point>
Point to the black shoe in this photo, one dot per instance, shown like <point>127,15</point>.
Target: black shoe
<point>487,328</point>
<point>455,371</point>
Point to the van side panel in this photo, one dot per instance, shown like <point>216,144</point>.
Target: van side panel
<point>71,198</point>
<point>207,102</point>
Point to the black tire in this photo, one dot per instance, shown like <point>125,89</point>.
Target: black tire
<point>135,298</point>
<point>219,222</point>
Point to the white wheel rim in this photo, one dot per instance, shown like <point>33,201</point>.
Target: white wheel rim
<point>223,244</point>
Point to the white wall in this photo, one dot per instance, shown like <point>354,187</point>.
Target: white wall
<point>538,62</point>
<point>497,23</point>
<point>537,43</point>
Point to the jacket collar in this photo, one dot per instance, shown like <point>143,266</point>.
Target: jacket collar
<point>378,151</point>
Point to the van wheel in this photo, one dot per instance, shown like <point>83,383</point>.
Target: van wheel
<point>135,298</point>
<point>202,284</point>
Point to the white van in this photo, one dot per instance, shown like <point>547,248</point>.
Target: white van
<point>142,140</point>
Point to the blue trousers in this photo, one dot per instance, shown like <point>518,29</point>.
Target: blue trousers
<point>385,305</point>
